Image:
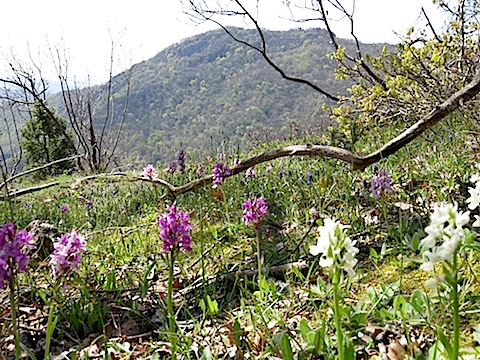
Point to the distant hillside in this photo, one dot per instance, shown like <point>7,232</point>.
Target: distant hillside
<point>209,88</point>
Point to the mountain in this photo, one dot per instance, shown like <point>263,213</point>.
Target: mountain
<point>209,91</point>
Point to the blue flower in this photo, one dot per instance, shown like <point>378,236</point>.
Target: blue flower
<point>310,177</point>
<point>181,161</point>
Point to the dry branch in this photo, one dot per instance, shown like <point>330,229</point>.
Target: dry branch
<point>359,162</point>
<point>29,190</point>
<point>42,167</point>
<point>277,271</point>
<point>77,182</point>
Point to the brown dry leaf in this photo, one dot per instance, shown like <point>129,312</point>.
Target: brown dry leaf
<point>230,333</point>
<point>395,351</point>
<point>216,194</point>
<point>177,284</point>
<point>129,328</point>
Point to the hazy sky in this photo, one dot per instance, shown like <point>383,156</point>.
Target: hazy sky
<point>142,28</point>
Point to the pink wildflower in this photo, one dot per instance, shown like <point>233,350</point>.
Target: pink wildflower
<point>253,210</point>
<point>67,253</point>
<point>174,229</point>
<point>150,172</point>
<point>12,251</point>
<point>219,172</point>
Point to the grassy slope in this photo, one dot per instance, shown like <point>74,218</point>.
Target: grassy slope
<point>124,277</point>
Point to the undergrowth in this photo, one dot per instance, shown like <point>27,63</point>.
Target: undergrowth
<point>117,305</point>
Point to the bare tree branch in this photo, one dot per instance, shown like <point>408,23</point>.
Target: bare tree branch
<point>27,84</point>
<point>29,190</point>
<point>359,162</point>
<point>206,15</point>
<point>430,25</point>
<point>359,58</point>
<point>45,166</point>
<point>97,137</point>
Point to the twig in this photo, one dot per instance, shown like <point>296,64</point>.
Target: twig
<point>130,337</point>
<point>39,168</point>
<point>431,26</point>
<point>359,162</point>
<point>28,190</point>
<point>312,225</point>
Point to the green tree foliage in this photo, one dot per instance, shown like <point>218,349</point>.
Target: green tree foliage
<point>208,89</point>
<point>408,81</point>
<point>43,142</point>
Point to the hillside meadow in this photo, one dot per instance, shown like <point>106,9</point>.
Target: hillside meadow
<point>127,293</point>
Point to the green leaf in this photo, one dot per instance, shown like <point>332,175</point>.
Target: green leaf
<point>319,340</point>
<point>144,284</point>
<point>383,251</point>
<point>298,273</point>
<point>359,318</point>
<point>348,350</point>
<point>418,300</point>
<point>264,285</point>
<point>207,354</point>
<point>237,332</point>
<point>304,329</point>
<point>400,306</point>
<point>474,246</point>
<point>212,306</point>
<point>43,296</point>
<point>476,334</point>
<point>286,347</point>
<point>416,242</point>
<point>214,232</point>
<point>444,341</point>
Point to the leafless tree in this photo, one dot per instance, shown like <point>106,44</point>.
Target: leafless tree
<point>97,135</point>
<point>88,109</point>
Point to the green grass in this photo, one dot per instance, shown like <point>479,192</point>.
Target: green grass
<point>120,292</point>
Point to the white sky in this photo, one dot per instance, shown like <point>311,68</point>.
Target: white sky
<point>142,28</point>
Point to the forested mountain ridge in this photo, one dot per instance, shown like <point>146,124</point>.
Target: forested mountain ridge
<point>208,89</point>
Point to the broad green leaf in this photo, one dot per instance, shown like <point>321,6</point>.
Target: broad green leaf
<point>286,347</point>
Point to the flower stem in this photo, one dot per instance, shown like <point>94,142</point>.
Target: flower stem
<point>456,317</point>
<point>202,247</point>
<point>171,315</point>
<point>13,312</point>
<point>225,204</point>
<point>51,323</point>
<point>259,260</point>
<point>337,314</point>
